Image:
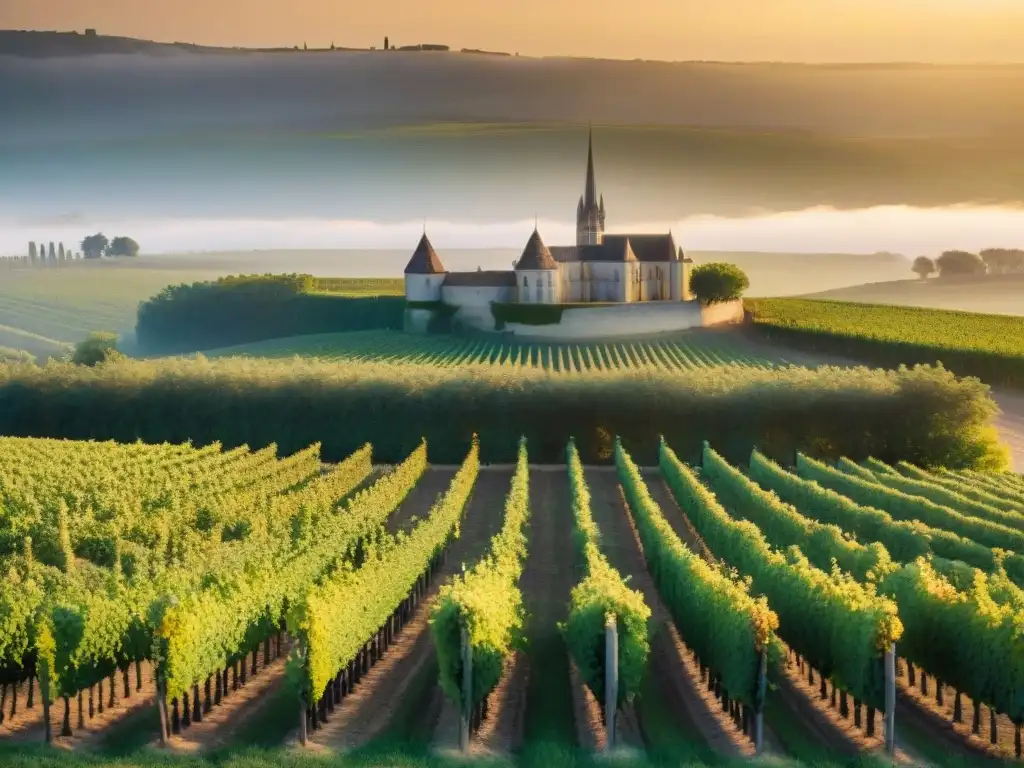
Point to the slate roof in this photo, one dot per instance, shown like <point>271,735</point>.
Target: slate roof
<point>535,255</point>
<point>424,260</point>
<point>648,247</point>
<point>491,279</point>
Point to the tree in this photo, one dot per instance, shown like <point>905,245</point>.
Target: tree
<point>386,41</point>
<point>60,252</point>
<point>99,347</point>
<point>1000,261</point>
<point>718,282</point>
<point>94,246</point>
<point>31,251</point>
<point>53,252</point>
<point>957,263</point>
<point>923,267</point>
<point>123,246</point>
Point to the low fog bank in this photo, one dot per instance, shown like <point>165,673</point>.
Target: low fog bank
<point>895,229</point>
<point>126,95</point>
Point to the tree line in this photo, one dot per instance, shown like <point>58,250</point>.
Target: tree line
<point>247,308</point>
<point>923,415</point>
<point>991,261</point>
<point>92,247</point>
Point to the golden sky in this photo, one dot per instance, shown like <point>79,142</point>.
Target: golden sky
<point>740,30</point>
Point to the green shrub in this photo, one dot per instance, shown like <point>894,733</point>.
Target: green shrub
<point>717,282</point>
<point>925,416</point>
<point>526,314</point>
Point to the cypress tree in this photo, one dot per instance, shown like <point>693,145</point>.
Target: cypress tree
<point>60,252</point>
<point>31,251</point>
<point>53,252</point>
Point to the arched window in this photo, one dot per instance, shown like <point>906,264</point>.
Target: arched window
<point>549,279</point>
<point>526,282</point>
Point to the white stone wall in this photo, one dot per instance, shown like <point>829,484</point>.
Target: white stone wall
<point>539,287</point>
<point>638,319</point>
<point>477,296</point>
<point>574,288</point>
<point>423,287</point>
<point>608,281</point>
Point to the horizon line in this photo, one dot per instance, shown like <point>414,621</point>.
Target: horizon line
<point>514,55</point>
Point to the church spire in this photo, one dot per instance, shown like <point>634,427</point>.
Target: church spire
<point>590,198</point>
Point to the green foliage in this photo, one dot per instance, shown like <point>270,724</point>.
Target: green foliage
<point>335,619</point>
<point>246,308</point>
<point>202,631</point>
<point>11,355</point>
<point>904,506</point>
<point>906,540</point>
<point>100,347</point>
<point>988,346</point>
<point>717,617</point>
<point>953,499</point>
<point>486,601</point>
<point>841,627</point>
<point>957,263</point>
<point>602,596</point>
<point>923,267</point>
<point>923,415</point>
<point>964,638</point>
<point>526,314</point>
<point>783,526</point>
<point>718,282</point>
<point>975,492</point>
<point>94,246</point>
<point>123,247</point>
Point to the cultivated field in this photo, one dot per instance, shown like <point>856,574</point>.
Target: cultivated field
<point>988,346</point>
<point>690,351</point>
<point>153,593</point>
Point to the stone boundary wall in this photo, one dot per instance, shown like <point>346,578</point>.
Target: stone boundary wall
<point>631,320</point>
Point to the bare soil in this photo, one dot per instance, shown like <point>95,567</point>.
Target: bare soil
<point>27,725</point>
<point>546,583</point>
<point>223,721</point>
<point>372,706</point>
<point>957,737</point>
<point>417,504</point>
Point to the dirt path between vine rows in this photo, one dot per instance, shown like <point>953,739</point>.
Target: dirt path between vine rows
<point>27,725</point>
<point>671,663</point>
<point>820,728</point>
<point>421,498</point>
<point>546,583</point>
<point>371,708</point>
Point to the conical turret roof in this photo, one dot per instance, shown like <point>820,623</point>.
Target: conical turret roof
<point>536,255</point>
<point>424,260</point>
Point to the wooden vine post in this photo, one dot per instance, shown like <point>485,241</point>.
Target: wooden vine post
<point>762,691</point>
<point>467,690</point>
<point>44,690</point>
<point>890,700</point>
<point>611,678</point>
<point>161,705</point>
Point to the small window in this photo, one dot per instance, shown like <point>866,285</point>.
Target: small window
<point>549,279</point>
<point>526,282</point>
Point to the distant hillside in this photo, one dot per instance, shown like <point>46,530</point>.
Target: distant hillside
<point>996,294</point>
<point>46,44</point>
